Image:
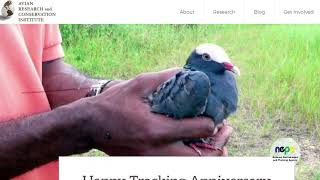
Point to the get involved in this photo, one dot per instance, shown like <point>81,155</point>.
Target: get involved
<point>299,12</point>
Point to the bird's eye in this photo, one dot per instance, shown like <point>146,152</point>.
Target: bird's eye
<point>206,57</point>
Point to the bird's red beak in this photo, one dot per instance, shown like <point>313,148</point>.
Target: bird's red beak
<point>230,67</point>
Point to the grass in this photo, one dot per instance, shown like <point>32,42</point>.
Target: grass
<point>317,177</point>
<point>279,86</point>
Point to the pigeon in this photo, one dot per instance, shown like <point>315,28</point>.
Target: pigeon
<point>205,87</point>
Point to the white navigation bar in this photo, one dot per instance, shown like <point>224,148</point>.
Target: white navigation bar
<point>166,11</point>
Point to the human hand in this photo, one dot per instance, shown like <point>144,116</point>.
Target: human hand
<point>121,123</point>
<point>220,138</point>
<point>112,83</point>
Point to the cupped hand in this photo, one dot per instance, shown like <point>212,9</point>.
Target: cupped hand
<point>121,122</point>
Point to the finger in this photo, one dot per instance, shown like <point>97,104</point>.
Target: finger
<point>218,127</point>
<point>179,149</point>
<point>220,139</point>
<point>225,152</point>
<point>149,82</point>
<point>209,152</point>
<point>170,130</point>
<point>174,149</point>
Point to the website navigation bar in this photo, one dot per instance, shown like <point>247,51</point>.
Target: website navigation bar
<point>175,11</point>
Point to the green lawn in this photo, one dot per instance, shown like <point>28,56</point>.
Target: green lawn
<point>279,86</point>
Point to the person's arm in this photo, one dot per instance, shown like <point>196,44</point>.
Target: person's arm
<point>65,84</point>
<point>36,140</point>
<point>118,122</point>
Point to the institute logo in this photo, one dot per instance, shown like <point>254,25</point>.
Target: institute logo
<point>285,149</point>
<point>7,9</point>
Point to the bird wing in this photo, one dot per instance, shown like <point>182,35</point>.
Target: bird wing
<point>223,97</point>
<point>184,95</point>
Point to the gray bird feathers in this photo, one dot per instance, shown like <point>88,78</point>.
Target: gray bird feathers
<point>205,87</point>
<point>185,95</point>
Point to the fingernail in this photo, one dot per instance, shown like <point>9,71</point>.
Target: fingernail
<point>219,126</point>
<point>215,131</point>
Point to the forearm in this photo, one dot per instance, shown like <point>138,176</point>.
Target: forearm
<point>64,84</point>
<point>36,140</point>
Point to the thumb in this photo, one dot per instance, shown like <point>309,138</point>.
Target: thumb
<point>189,128</point>
<point>148,82</point>
<point>220,139</point>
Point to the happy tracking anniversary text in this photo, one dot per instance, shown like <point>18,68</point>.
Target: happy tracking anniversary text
<point>159,177</point>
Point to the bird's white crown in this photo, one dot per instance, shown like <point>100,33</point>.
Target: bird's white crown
<point>215,52</point>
